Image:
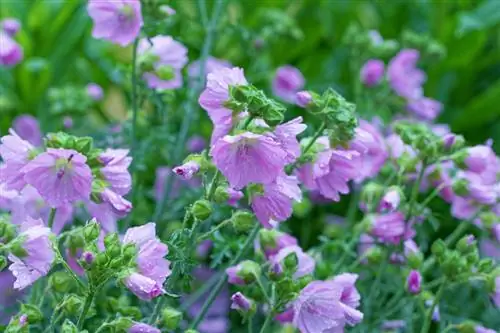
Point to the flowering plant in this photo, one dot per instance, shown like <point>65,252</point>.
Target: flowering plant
<point>290,208</point>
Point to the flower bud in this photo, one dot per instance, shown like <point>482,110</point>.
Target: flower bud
<point>221,194</point>
<point>461,187</point>
<point>34,314</point>
<point>490,220</point>
<point>467,327</point>
<point>91,231</point>
<point>273,116</point>
<point>374,255</point>
<point>303,98</point>
<point>72,304</point>
<point>466,244</point>
<point>415,259</point>
<point>275,271</point>
<point>486,265</point>
<point>16,248</point>
<point>60,281</point>
<point>244,273</point>
<point>242,221</point>
<point>372,72</point>
<point>171,318</point>
<point>165,72</point>
<point>69,327</point>
<point>129,251</point>
<point>187,170</point>
<point>101,259</point>
<point>88,258</point>
<point>122,324</point>
<point>370,193</point>
<point>201,210</point>
<point>414,282</point>
<point>438,248</point>
<point>391,199</point>
<point>241,303</point>
<point>291,262</point>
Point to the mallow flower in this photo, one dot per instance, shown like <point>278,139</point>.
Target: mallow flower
<point>142,328</point>
<point>116,21</point>
<point>216,94</point>
<point>115,163</point>
<point>249,158</point>
<point>371,146</point>
<point>275,203</point>
<point>167,57</point>
<point>28,128</point>
<point>389,228</point>
<point>11,52</point>
<point>61,176</point>
<point>15,153</point>
<point>286,134</point>
<point>372,72</point>
<point>425,108</point>
<point>211,64</point>
<point>287,81</point>
<point>305,263</point>
<point>404,76</point>
<point>34,256</point>
<point>152,268</point>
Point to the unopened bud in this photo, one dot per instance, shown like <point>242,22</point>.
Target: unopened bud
<point>69,327</point>
<point>91,231</point>
<point>201,210</point>
<point>60,281</point>
<point>171,318</point>
<point>438,248</point>
<point>221,194</point>
<point>34,314</point>
<point>242,221</point>
<point>466,244</point>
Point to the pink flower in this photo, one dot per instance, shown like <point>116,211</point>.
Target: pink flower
<point>152,268</point>
<point>38,257</point>
<point>94,91</point>
<point>303,98</point>
<point>403,75</point>
<point>327,306</point>
<point>305,263</point>
<point>11,53</point>
<point>249,158</point>
<point>196,144</point>
<point>414,282</point>
<point>233,276</point>
<point>216,94</point>
<point>331,172</point>
<point>389,227</point>
<point>212,64</point>
<point>170,55</point>
<point>61,176</point>
<point>372,72</point>
<point>425,108</point>
<point>373,152</point>
<point>276,203</point>
<point>27,127</point>
<point>496,294</point>
<point>10,25</point>
<point>287,82</point>
<point>143,328</point>
<point>116,21</point>
<point>390,201</point>
<point>15,153</point>
<point>286,134</point>
<point>240,302</point>
<point>115,170</point>
<point>481,329</point>
<point>278,241</point>
<point>187,170</point>
<point>120,205</point>
<point>478,158</point>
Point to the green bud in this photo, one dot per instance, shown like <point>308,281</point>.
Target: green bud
<point>221,195</point>
<point>461,187</point>
<point>165,72</point>
<point>273,116</point>
<point>113,251</point>
<point>131,311</point>
<point>375,255</point>
<point>291,262</point>
<point>116,263</point>
<point>268,237</point>
<point>472,257</point>
<point>466,244</point>
<point>3,262</point>
<point>452,264</point>
<point>112,240</point>
<point>415,260</point>
<point>486,265</point>
<point>243,221</point>
<point>101,259</point>
<point>467,327</point>
<point>69,327</point>
<point>16,247</point>
<point>84,145</point>
<point>459,157</point>
<point>191,331</point>
<point>489,219</point>
<point>72,304</point>
<point>438,248</point>
<point>303,208</point>
<point>122,324</point>
<point>249,271</point>
<point>129,251</point>
<point>61,281</point>
<point>34,314</point>
<point>201,210</point>
<point>91,231</point>
<point>171,318</point>
<point>371,193</point>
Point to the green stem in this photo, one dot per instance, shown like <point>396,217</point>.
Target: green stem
<point>67,268</point>
<point>192,97</point>
<point>86,307</point>
<point>431,196</point>
<point>415,190</point>
<point>318,133</point>
<point>52,217</point>
<point>213,185</point>
<point>267,321</point>
<point>264,291</point>
<point>354,240</point>
<point>250,325</point>
<point>428,317</point>
<point>220,284</point>
<point>214,229</point>
<point>193,298</point>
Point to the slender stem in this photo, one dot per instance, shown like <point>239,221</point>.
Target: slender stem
<point>135,108</point>
<point>220,284</point>
<point>269,317</point>
<point>213,185</point>
<point>52,217</point>
<point>264,291</point>
<point>415,190</point>
<point>190,107</point>
<point>86,307</point>
<point>431,196</point>
<point>201,291</point>
<point>250,325</point>
<point>214,229</point>
<point>67,268</point>
<point>428,317</point>
<point>449,328</point>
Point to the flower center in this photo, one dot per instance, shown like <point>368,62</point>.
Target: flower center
<point>126,13</point>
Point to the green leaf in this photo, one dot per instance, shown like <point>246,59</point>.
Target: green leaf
<point>483,17</point>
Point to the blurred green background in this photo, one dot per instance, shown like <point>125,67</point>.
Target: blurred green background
<point>59,51</point>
